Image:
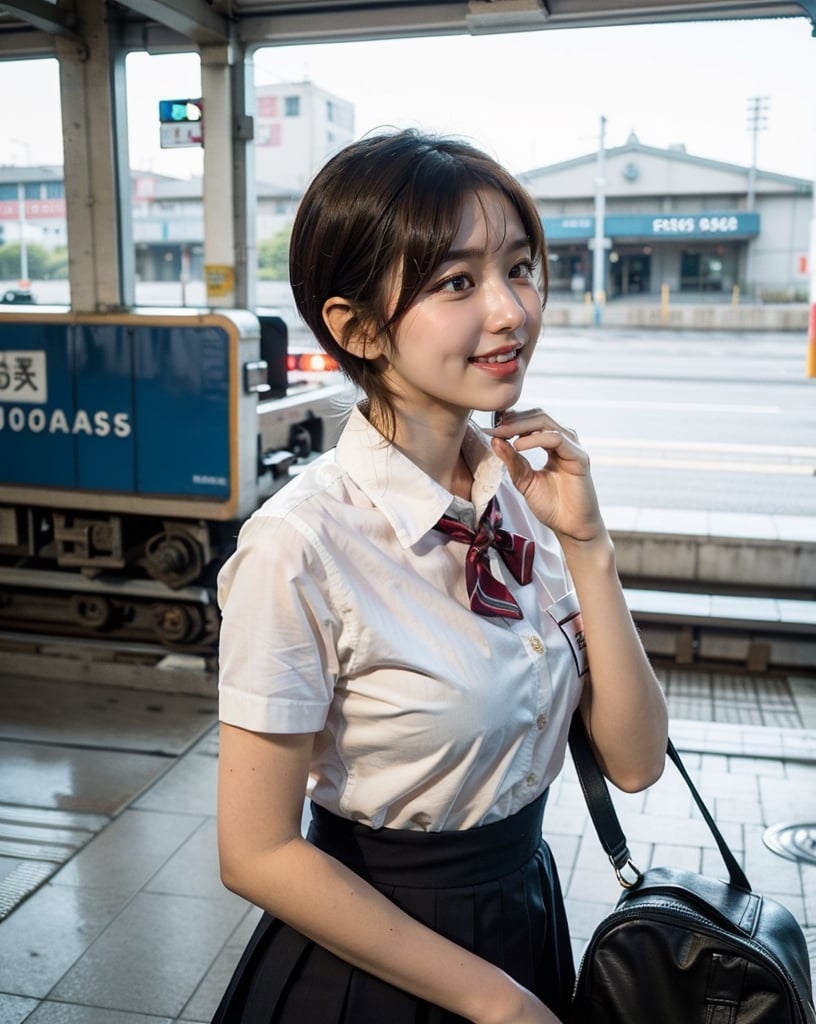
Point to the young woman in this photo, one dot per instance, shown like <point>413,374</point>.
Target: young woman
<point>410,624</point>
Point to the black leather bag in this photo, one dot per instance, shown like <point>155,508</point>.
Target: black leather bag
<point>682,948</point>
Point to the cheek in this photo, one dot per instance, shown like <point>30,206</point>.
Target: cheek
<point>535,314</point>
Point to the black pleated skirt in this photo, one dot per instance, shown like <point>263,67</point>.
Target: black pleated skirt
<point>494,890</point>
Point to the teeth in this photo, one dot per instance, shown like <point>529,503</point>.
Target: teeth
<point>505,358</point>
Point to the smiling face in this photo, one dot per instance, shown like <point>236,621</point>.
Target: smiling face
<point>368,240</point>
<point>466,340</point>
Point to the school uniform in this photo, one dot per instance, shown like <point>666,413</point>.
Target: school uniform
<point>438,730</point>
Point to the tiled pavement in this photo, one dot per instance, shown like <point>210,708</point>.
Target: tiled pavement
<point>135,927</point>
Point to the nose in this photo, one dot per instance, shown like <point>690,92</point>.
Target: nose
<point>505,311</point>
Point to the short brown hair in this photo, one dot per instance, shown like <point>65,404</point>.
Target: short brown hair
<point>388,208</point>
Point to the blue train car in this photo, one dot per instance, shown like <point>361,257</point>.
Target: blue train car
<point>131,447</point>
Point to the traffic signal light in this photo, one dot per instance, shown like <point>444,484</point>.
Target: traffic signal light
<point>175,111</point>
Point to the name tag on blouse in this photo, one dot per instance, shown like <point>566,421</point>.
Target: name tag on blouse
<point>567,616</point>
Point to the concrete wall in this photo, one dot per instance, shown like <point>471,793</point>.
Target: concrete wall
<point>683,316</point>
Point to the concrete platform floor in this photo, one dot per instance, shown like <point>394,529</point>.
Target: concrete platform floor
<point>111,908</point>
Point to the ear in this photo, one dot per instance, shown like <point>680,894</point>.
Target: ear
<point>337,313</point>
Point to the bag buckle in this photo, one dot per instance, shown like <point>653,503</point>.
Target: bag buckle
<point>628,883</point>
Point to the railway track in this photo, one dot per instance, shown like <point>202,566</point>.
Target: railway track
<point>734,601</point>
<point>109,662</point>
<point>126,640</point>
<point>108,608</point>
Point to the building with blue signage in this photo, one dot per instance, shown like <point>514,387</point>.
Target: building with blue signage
<point>693,224</point>
<point>699,226</point>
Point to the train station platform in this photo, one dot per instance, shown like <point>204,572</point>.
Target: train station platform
<point>132,925</point>
<point>111,906</point>
<point>720,586</point>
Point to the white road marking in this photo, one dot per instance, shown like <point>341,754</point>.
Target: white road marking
<point>786,451</point>
<point>656,462</point>
<point>613,403</point>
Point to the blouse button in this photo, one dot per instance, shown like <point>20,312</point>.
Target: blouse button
<point>536,644</point>
<point>531,779</point>
<point>541,721</point>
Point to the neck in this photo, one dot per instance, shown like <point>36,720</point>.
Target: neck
<point>434,444</point>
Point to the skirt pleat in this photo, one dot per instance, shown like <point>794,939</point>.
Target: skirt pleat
<point>493,890</point>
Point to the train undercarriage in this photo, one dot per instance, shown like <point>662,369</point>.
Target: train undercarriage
<point>123,578</point>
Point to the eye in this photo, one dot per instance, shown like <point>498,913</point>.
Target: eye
<point>455,283</point>
<point>522,269</point>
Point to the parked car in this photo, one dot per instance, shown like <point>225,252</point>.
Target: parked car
<point>18,296</point>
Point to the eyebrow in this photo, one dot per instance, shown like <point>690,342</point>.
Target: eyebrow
<point>517,245</point>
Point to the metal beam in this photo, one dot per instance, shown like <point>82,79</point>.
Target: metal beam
<point>26,44</point>
<point>340,24</point>
<point>177,25</point>
<point>489,16</point>
<point>572,14</point>
<point>193,19</point>
<point>97,179</point>
<point>46,17</point>
<point>303,21</point>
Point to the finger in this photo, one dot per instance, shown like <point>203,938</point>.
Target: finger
<point>511,422</point>
<point>518,467</point>
<point>550,440</point>
<point>514,424</point>
<point>558,446</point>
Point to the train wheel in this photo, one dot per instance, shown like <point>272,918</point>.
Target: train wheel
<point>178,623</point>
<point>92,610</point>
<point>174,556</point>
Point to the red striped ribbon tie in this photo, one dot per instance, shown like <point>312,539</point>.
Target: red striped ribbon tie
<point>489,596</point>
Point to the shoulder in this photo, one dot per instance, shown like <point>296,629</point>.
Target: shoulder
<point>320,476</point>
<point>294,534</point>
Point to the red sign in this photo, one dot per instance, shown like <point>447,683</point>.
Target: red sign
<point>35,209</point>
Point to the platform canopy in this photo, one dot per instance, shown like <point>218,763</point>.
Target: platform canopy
<point>28,28</point>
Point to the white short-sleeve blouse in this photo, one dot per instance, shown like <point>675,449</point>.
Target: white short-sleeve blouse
<point>345,614</point>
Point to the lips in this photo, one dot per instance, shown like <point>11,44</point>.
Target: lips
<point>506,355</point>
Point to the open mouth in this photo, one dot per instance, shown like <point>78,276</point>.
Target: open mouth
<point>503,357</point>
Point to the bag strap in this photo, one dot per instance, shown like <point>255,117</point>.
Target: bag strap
<point>605,819</point>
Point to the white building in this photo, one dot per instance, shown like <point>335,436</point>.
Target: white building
<point>298,126</point>
<point>168,223</point>
<point>32,206</point>
<point>696,225</point>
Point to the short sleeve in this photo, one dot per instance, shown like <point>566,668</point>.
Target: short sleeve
<point>279,634</point>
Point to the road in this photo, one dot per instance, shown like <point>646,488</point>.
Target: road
<point>718,422</point>
<point>672,419</point>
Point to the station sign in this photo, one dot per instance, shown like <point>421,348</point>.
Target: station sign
<point>620,227</point>
<point>174,136</point>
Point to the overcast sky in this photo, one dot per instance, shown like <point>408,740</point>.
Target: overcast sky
<point>531,99</point>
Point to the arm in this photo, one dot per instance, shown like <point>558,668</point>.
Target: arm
<point>622,705</point>
<point>262,779</point>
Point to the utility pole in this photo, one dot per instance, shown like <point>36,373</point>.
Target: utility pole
<point>599,241</point>
<point>757,122</point>
<point>21,218</point>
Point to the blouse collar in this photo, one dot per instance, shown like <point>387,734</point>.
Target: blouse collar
<point>410,500</point>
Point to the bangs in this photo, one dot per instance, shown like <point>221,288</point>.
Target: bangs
<point>430,213</point>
